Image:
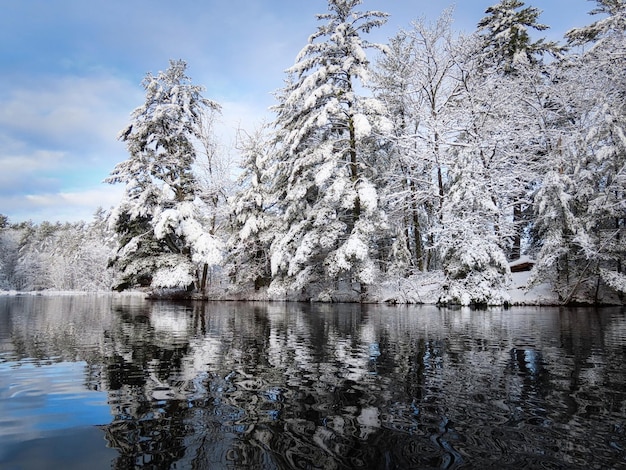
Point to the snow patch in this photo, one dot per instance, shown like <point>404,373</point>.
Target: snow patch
<point>368,196</point>
<point>177,276</point>
<point>362,126</point>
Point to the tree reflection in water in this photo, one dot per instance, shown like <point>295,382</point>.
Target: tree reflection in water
<point>318,386</point>
<point>268,386</point>
<point>234,385</point>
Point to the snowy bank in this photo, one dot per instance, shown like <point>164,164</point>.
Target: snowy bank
<point>538,295</point>
<point>423,288</point>
<point>50,292</point>
<point>428,288</point>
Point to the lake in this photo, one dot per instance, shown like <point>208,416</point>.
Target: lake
<point>116,381</point>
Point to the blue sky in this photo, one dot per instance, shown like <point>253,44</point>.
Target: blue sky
<point>71,74</point>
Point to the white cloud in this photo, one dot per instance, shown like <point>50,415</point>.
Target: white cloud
<point>70,206</point>
<point>69,111</point>
<point>105,196</point>
<point>59,140</point>
<point>24,163</point>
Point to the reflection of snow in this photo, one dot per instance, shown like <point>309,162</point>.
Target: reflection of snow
<point>207,355</point>
<point>354,361</point>
<point>170,321</point>
<point>369,419</point>
<point>308,368</point>
<point>615,335</point>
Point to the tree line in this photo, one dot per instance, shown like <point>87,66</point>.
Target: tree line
<point>437,153</point>
<point>64,257</point>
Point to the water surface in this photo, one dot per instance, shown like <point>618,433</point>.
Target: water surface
<point>120,382</point>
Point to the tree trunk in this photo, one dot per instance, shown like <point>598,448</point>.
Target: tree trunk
<point>203,281</point>
<point>516,249</point>
<point>417,234</point>
<point>354,170</point>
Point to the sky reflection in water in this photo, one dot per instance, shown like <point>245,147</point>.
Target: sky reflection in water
<point>129,383</point>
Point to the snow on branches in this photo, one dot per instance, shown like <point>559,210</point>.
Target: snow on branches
<point>161,215</point>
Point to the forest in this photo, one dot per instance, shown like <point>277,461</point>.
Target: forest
<point>434,162</point>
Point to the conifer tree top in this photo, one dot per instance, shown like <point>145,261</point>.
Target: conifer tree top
<point>613,21</point>
<point>505,30</point>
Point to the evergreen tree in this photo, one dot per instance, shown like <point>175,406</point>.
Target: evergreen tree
<point>473,259</point>
<point>507,49</point>
<point>163,242</point>
<point>255,220</point>
<point>609,29</point>
<point>324,177</point>
<point>556,225</point>
<point>591,88</point>
<point>505,34</point>
<point>9,252</point>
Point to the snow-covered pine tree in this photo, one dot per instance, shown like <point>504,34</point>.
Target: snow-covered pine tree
<point>163,242</point>
<point>10,237</point>
<point>255,221</point>
<point>555,226</point>
<point>509,50</point>
<point>607,140</point>
<point>327,132</point>
<point>604,33</point>
<point>591,88</point>
<point>506,38</point>
<point>473,259</point>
